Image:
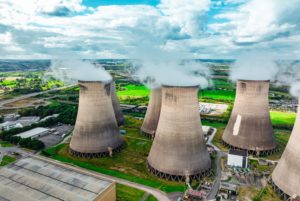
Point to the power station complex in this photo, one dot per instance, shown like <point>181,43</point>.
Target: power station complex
<point>179,149</point>
<point>249,127</point>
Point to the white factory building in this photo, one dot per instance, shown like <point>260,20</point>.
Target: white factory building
<point>237,158</point>
<point>34,133</point>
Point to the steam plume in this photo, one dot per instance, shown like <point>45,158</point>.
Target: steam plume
<point>70,71</point>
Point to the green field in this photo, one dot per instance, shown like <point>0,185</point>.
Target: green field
<point>129,164</point>
<point>283,118</point>
<point>126,193</point>
<point>131,90</point>
<point>7,160</point>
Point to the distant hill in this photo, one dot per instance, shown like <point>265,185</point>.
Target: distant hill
<point>23,65</point>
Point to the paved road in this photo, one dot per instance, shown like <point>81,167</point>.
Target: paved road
<point>213,193</point>
<point>3,102</point>
<point>161,196</point>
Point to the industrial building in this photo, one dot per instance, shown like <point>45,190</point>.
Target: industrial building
<point>19,123</point>
<point>116,105</point>
<point>286,175</point>
<point>34,133</point>
<point>237,158</point>
<point>96,132</point>
<point>178,150</point>
<point>249,127</point>
<point>35,178</point>
<point>152,115</point>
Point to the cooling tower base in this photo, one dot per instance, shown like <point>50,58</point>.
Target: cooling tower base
<point>252,152</point>
<point>178,177</point>
<point>282,194</point>
<point>95,155</point>
<point>148,135</point>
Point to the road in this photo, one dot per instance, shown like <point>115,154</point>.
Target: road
<point>214,191</point>
<point>3,102</point>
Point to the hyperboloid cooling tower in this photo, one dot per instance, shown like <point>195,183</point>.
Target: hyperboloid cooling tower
<point>286,176</point>
<point>249,127</point>
<point>153,112</point>
<point>116,105</point>
<point>96,132</point>
<point>179,148</point>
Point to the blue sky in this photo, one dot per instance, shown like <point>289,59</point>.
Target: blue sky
<point>122,28</point>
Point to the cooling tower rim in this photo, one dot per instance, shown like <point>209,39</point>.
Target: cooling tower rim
<point>245,80</point>
<point>95,81</point>
<point>177,86</point>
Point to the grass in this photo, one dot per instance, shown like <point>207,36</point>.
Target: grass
<point>126,193</point>
<point>129,164</point>
<point>255,194</point>
<point>6,144</point>
<point>279,118</point>
<point>131,90</point>
<point>151,198</point>
<point>219,95</point>
<point>282,138</point>
<point>7,160</point>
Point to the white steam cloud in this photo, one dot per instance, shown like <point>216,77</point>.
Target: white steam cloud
<point>263,66</point>
<point>70,71</point>
<point>254,66</point>
<point>157,64</point>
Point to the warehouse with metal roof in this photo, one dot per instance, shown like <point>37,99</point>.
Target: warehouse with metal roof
<point>33,178</point>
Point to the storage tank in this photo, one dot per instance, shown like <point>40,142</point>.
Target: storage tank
<point>179,148</point>
<point>96,132</point>
<point>249,127</point>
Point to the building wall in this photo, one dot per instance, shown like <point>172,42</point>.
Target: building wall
<point>108,195</point>
<point>235,160</point>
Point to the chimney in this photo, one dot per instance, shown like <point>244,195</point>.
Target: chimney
<point>116,105</point>
<point>152,115</point>
<point>249,127</point>
<point>96,131</point>
<point>179,149</point>
<point>286,176</point>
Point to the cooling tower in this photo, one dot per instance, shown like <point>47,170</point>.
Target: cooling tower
<point>286,176</point>
<point>152,115</point>
<point>179,148</point>
<point>96,132</point>
<point>116,105</point>
<point>249,127</point>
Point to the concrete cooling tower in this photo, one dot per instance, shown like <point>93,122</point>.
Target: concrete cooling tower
<point>152,115</point>
<point>249,127</point>
<point>286,176</point>
<point>179,148</point>
<point>96,132</point>
<point>116,105</point>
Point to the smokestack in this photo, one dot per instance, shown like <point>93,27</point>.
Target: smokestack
<point>179,148</point>
<point>153,112</point>
<point>249,127</point>
<point>96,132</point>
<point>286,176</point>
<point>116,105</point>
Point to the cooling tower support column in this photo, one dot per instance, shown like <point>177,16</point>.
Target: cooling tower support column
<point>96,132</point>
<point>116,105</point>
<point>286,176</point>
<point>249,127</point>
<point>152,115</point>
<point>179,148</point>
